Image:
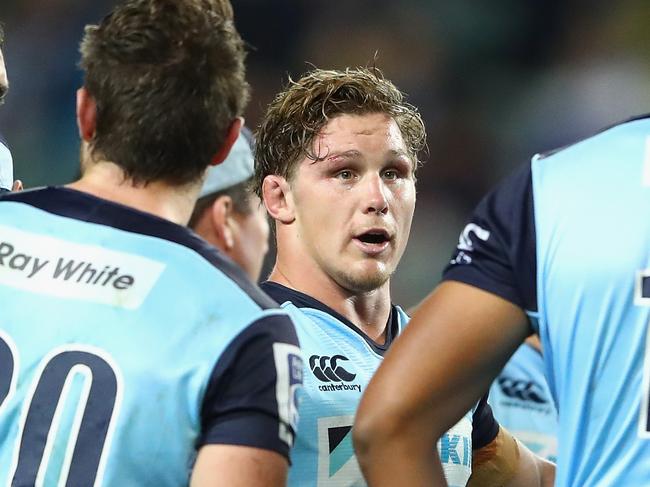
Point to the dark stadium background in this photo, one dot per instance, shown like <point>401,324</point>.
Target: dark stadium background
<point>495,80</point>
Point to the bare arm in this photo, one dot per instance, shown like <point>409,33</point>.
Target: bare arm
<point>457,342</point>
<point>238,466</point>
<point>532,471</point>
<point>507,462</point>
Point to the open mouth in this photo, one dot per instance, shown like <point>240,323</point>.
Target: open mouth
<point>374,237</point>
<point>373,242</point>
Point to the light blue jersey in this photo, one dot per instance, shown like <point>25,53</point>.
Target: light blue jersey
<point>522,402</point>
<point>568,240</point>
<point>339,362</point>
<point>6,166</point>
<point>126,345</point>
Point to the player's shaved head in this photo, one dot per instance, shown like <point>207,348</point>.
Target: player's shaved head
<point>296,116</point>
<point>168,80</point>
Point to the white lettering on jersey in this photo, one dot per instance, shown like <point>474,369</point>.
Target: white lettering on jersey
<point>56,267</point>
<point>465,243</point>
<point>288,368</point>
<point>455,449</point>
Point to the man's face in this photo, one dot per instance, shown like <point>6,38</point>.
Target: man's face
<point>251,239</point>
<point>354,208</point>
<point>4,82</point>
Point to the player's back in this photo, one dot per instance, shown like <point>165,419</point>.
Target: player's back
<point>592,218</point>
<point>114,330</point>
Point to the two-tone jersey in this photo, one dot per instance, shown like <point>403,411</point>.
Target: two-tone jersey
<point>567,238</point>
<point>126,344</point>
<point>522,402</point>
<point>6,166</point>
<point>339,362</point>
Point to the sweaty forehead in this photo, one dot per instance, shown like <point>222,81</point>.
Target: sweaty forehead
<point>374,131</point>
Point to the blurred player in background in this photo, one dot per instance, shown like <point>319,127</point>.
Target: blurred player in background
<point>561,248</point>
<point>336,156</point>
<point>522,401</point>
<point>131,353</point>
<point>7,182</point>
<point>229,215</point>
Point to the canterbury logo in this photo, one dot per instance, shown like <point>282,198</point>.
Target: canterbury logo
<point>522,389</point>
<point>327,369</point>
<point>465,241</point>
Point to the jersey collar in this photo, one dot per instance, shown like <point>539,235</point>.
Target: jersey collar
<point>283,294</point>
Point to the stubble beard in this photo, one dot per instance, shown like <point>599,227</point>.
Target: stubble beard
<point>361,282</point>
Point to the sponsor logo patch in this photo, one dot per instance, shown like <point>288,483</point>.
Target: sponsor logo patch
<point>329,369</point>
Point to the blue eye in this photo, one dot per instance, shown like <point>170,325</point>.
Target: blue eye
<point>391,175</point>
<point>345,175</point>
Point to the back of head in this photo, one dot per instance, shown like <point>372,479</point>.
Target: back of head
<point>168,79</point>
<point>296,116</point>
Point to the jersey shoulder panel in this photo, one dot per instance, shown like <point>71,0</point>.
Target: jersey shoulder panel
<point>496,250</point>
<point>252,397</point>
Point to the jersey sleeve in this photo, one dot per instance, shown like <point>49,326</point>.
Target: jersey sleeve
<point>251,399</point>
<point>496,249</point>
<point>484,427</point>
<point>6,166</point>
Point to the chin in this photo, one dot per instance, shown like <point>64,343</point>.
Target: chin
<point>363,281</point>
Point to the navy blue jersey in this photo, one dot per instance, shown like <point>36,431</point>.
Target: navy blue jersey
<point>340,361</point>
<point>126,344</point>
<point>567,238</point>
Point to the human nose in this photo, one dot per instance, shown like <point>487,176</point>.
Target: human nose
<point>375,193</point>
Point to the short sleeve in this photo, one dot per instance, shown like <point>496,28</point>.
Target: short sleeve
<point>484,427</point>
<point>496,249</point>
<point>251,399</point>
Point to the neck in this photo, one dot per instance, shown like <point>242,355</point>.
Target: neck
<point>369,311</point>
<point>106,180</point>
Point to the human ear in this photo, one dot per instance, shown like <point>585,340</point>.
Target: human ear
<point>222,222</point>
<point>86,115</point>
<point>278,199</point>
